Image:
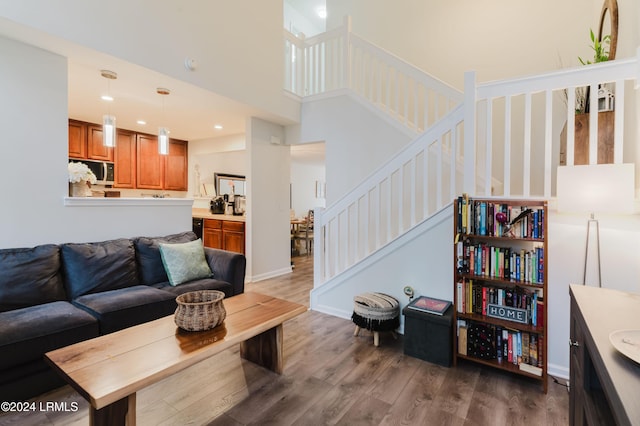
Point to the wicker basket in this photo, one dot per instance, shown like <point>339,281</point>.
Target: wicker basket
<point>200,310</point>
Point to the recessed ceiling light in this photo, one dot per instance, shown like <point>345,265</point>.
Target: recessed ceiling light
<point>141,122</point>
<point>321,11</point>
<point>106,98</point>
<point>217,127</point>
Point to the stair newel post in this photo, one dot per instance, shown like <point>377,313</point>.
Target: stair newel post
<point>470,94</point>
<point>346,60</point>
<point>319,254</point>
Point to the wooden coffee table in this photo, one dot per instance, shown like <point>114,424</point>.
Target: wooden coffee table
<point>108,370</point>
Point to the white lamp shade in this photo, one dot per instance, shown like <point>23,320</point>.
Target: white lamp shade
<point>109,131</point>
<point>600,188</point>
<point>163,141</point>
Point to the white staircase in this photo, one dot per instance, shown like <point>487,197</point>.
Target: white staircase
<point>508,131</point>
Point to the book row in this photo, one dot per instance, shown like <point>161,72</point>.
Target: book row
<point>475,298</point>
<point>500,220</point>
<point>503,263</point>
<point>489,342</point>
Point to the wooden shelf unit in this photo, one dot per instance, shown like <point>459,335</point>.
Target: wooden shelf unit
<point>462,274</point>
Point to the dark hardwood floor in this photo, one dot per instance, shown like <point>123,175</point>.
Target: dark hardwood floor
<point>330,377</point>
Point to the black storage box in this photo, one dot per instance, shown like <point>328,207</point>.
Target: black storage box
<point>429,336</point>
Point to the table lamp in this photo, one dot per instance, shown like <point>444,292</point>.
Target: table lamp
<point>596,188</point>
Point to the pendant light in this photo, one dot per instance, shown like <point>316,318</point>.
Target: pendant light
<point>108,120</point>
<point>163,132</point>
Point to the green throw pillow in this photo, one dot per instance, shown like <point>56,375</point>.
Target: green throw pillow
<point>184,262</point>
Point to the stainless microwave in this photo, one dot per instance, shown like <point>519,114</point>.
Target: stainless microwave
<point>102,169</point>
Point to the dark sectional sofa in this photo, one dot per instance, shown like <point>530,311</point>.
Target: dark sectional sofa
<point>56,295</point>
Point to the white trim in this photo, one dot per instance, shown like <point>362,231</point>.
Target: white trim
<point>271,274</point>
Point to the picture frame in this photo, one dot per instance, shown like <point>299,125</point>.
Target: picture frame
<point>225,181</point>
<point>429,305</point>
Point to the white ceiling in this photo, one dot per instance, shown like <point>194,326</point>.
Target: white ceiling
<point>189,112</point>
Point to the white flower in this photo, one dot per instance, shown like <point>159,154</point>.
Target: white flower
<point>79,172</point>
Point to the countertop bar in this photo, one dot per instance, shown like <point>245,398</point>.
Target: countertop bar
<point>206,214</point>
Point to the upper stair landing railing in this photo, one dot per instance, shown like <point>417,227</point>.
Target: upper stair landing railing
<point>514,129</point>
<point>507,130</point>
<point>339,59</point>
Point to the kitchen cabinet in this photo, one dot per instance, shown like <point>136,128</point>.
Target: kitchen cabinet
<point>125,160</point>
<point>212,233</point>
<point>77,139</point>
<point>233,236</point>
<point>149,163</point>
<point>136,159</point>
<point>155,171</point>
<point>224,234</point>
<point>175,166</point>
<point>95,148</point>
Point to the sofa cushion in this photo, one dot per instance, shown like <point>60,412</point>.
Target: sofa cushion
<point>150,265</point>
<point>122,308</point>
<point>203,284</point>
<point>97,267</point>
<point>28,333</point>
<point>184,262</point>
<point>30,276</point>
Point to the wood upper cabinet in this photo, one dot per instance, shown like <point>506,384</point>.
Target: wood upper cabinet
<point>149,163</point>
<point>95,148</point>
<point>77,139</point>
<point>137,161</point>
<point>125,160</point>
<point>175,166</point>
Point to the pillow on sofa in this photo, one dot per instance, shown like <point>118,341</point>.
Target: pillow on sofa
<point>30,276</point>
<point>150,266</point>
<point>96,267</point>
<point>185,262</point>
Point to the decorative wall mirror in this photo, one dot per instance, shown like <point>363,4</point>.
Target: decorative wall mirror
<point>225,182</point>
<point>609,25</point>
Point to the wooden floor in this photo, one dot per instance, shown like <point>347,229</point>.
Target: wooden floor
<point>330,377</point>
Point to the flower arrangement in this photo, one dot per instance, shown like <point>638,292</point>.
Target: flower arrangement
<point>79,172</point>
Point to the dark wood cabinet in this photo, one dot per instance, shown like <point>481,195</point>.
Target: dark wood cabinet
<point>233,236</point>
<point>77,139</point>
<point>212,233</point>
<point>175,166</point>
<point>224,235</point>
<point>125,160</point>
<point>95,148</point>
<point>605,384</point>
<point>149,163</point>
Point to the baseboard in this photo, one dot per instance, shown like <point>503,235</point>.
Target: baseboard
<point>271,274</point>
<point>558,371</point>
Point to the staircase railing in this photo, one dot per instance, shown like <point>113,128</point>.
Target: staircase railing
<point>413,185</point>
<point>503,140</point>
<point>513,128</point>
<point>339,59</point>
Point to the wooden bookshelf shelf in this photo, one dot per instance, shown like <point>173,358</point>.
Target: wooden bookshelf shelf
<point>507,241</point>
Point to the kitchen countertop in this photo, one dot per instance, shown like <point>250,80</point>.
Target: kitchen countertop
<point>206,214</point>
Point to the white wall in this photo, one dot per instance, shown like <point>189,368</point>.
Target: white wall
<point>33,165</point>
<point>267,225</point>
<point>497,38</point>
<point>357,140</point>
<point>219,155</point>
<point>303,187</point>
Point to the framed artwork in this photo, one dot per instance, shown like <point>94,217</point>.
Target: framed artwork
<point>225,183</point>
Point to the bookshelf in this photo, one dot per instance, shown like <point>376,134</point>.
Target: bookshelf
<point>500,285</point>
